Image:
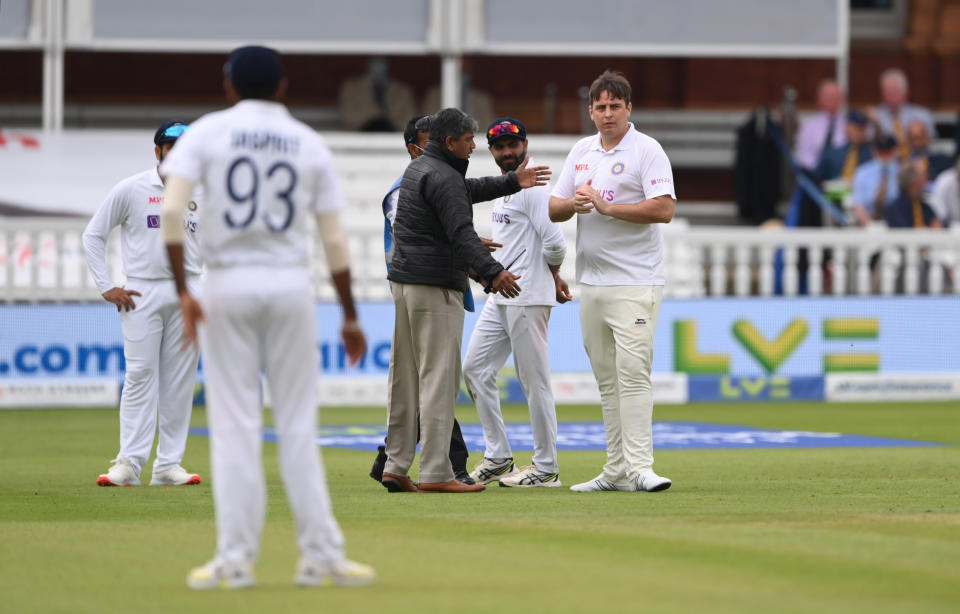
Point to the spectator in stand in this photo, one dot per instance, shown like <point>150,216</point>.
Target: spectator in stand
<point>373,102</point>
<point>895,114</point>
<point>909,210</point>
<point>823,129</point>
<point>841,162</point>
<point>834,173</point>
<point>930,164</point>
<point>875,183</point>
<point>945,196</point>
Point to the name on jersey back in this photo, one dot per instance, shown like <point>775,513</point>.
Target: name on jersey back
<point>265,141</point>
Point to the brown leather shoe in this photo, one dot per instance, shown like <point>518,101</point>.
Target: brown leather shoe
<point>398,483</point>
<point>451,486</point>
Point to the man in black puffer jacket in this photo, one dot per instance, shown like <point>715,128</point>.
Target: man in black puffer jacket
<point>435,246</point>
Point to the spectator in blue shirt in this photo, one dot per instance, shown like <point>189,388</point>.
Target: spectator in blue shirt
<point>875,183</point>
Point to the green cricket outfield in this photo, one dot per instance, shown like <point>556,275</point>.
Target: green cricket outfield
<point>742,530</point>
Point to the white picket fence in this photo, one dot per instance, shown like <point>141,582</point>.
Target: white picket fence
<point>41,259</point>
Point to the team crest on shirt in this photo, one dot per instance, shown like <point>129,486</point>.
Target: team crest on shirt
<point>618,168</point>
<point>192,205</point>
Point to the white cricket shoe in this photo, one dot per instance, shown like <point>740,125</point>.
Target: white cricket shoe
<point>215,574</point>
<point>648,481</point>
<point>341,573</point>
<point>174,476</point>
<point>122,473</point>
<point>600,483</point>
<point>493,469</point>
<point>530,477</point>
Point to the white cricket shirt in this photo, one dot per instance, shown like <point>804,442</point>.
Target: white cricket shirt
<point>612,252</point>
<point>134,204</point>
<point>945,197</point>
<point>521,222</point>
<point>263,173</point>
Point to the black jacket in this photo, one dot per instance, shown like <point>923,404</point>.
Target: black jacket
<point>435,239</point>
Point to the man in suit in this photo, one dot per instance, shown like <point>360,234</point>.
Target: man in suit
<point>842,162</point>
<point>930,164</point>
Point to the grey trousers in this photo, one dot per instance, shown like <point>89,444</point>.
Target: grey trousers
<point>424,379</point>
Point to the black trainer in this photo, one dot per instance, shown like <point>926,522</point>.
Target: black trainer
<point>464,476</point>
<point>376,471</point>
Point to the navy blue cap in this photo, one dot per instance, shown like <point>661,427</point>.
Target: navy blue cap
<point>856,117</point>
<point>254,69</point>
<point>169,132</point>
<point>506,126</point>
<point>885,142</point>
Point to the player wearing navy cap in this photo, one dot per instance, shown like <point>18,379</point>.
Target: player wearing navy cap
<point>160,372</point>
<point>533,248</point>
<point>265,174</point>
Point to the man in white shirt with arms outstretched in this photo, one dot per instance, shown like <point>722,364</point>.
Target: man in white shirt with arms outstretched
<point>533,248</point>
<point>619,184</point>
<point>264,174</point>
<point>160,371</point>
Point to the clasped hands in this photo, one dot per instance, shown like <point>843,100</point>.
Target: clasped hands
<point>586,199</point>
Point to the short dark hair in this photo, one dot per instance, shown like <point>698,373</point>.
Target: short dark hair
<point>420,123</point>
<point>451,122</point>
<point>254,71</point>
<point>614,83</point>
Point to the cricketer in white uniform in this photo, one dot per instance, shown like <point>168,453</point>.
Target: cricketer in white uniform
<point>534,248</point>
<point>160,370</point>
<point>265,174</point>
<point>620,185</point>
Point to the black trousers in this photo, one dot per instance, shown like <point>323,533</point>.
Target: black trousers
<point>458,454</point>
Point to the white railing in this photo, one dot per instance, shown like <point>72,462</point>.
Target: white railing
<point>41,259</point>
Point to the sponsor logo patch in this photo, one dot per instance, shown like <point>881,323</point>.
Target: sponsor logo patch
<point>153,221</point>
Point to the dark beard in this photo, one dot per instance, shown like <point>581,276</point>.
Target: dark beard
<point>511,164</point>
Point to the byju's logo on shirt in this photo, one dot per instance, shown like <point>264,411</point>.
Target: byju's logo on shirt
<point>501,218</point>
<point>660,180</point>
<point>606,195</point>
<point>153,221</point>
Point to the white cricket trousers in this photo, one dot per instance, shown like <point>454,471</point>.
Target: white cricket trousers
<point>618,325</point>
<point>263,319</point>
<point>522,330</point>
<point>160,376</point>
